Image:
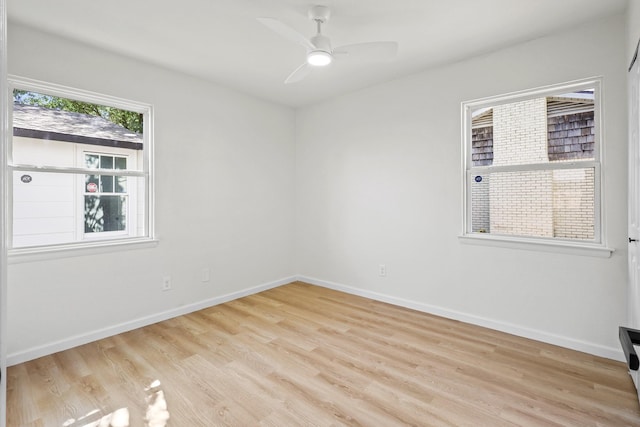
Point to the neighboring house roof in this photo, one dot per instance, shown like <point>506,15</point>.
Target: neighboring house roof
<point>560,105</point>
<point>483,119</point>
<point>44,123</point>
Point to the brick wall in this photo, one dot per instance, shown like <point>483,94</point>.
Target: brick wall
<point>573,203</point>
<point>520,133</point>
<point>521,203</point>
<point>480,215</point>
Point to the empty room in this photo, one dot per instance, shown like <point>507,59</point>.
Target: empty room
<point>287,213</point>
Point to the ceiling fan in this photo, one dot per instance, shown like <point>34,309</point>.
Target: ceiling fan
<point>319,50</point>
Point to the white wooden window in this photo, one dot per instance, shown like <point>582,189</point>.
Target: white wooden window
<point>106,205</point>
<point>532,168</point>
<point>78,180</point>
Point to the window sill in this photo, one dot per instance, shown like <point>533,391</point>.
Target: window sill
<point>22,255</point>
<point>564,247</point>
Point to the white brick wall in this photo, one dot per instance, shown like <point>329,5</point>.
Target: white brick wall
<point>520,133</point>
<point>481,215</point>
<point>521,203</point>
<point>573,203</point>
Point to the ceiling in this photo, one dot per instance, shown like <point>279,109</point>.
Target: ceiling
<point>221,40</point>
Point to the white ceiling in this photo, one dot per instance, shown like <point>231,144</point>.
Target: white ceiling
<point>221,40</point>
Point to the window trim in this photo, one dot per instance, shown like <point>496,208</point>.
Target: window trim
<point>90,246</point>
<point>597,247</point>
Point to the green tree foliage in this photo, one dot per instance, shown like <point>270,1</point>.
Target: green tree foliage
<point>128,119</point>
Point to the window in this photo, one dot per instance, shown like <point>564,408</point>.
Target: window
<point>79,167</point>
<point>532,166</point>
<point>105,196</point>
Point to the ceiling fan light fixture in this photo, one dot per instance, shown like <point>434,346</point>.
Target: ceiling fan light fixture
<point>319,58</point>
<point>320,52</point>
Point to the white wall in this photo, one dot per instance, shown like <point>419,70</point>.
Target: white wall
<point>379,182</point>
<point>368,178</point>
<point>224,191</point>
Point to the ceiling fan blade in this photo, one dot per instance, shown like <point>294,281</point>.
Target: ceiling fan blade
<point>373,51</point>
<point>286,31</point>
<point>299,73</point>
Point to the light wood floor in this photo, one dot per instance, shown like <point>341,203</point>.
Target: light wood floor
<point>303,355</point>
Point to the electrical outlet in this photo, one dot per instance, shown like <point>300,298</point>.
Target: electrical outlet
<point>382,270</point>
<point>206,275</point>
<point>166,283</point>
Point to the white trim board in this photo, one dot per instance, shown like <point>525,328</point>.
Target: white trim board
<point>74,341</point>
<point>586,347</point>
<point>546,337</point>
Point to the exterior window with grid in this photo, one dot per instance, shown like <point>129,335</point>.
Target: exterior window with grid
<point>105,196</point>
<point>532,166</point>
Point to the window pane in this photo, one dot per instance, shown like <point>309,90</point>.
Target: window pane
<point>106,162</point>
<point>92,160</point>
<point>92,183</point>
<point>121,184</point>
<point>41,123</point>
<point>121,162</point>
<point>107,184</point>
<point>537,203</point>
<point>104,213</point>
<point>45,209</point>
<point>540,130</point>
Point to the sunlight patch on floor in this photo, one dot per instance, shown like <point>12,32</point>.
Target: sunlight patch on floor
<point>155,416</point>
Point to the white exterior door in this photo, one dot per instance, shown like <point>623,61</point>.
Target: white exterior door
<point>633,307</point>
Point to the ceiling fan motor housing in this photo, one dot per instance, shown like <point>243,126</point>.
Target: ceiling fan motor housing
<point>319,13</point>
<point>321,43</point>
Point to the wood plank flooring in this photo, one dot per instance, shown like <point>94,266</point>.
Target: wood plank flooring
<point>300,355</point>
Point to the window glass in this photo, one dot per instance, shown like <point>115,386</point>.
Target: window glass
<point>535,203</point>
<point>80,167</point>
<point>532,165</point>
<point>104,213</point>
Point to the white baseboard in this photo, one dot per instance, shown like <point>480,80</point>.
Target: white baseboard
<point>74,341</point>
<point>574,344</point>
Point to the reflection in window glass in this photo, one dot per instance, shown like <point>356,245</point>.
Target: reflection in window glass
<point>92,160</point>
<point>121,163</point>
<point>106,162</point>
<point>104,213</point>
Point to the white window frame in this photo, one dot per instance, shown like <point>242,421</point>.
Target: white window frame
<point>88,246</point>
<point>597,246</point>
